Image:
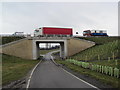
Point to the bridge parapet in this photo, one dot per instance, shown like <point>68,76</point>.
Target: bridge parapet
<point>50,38</point>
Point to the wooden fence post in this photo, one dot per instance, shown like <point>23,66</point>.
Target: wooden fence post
<point>113,56</point>
<point>108,59</point>
<point>86,57</point>
<point>99,57</point>
<point>116,63</point>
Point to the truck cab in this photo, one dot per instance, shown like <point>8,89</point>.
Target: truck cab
<point>38,32</point>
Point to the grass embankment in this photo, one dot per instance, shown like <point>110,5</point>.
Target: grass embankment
<point>47,51</point>
<point>100,40</point>
<point>105,52</point>
<point>0,69</point>
<point>111,63</point>
<point>109,49</point>
<point>8,39</point>
<point>113,81</point>
<point>14,68</point>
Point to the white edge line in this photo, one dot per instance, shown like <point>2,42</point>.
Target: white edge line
<point>81,80</point>
<point>28,83</point>
<point>65,71</point>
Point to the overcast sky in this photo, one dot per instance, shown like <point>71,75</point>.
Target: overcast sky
<point>27,16</point>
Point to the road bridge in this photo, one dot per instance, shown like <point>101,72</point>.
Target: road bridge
<point>28,48</point>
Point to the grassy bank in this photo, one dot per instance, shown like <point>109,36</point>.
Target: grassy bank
<point>111,63</point>
<point>8,39</point>
<point>108,50</point>
<point>113,81</point>
<point>105,52</point>
<point>0,69</point>
<point>100,40</point>
<point>14,68</point>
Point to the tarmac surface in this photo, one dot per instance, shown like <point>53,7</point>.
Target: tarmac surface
<point>48,75</point>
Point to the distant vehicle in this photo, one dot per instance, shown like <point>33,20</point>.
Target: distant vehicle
<point>95,33</point>
<point>53,31</point>
<point>18,34</point>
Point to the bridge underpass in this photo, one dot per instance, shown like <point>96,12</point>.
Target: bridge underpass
<point>36,48</point>
<point>28,48</point>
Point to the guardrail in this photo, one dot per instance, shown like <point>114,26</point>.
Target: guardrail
<point>36,38</point>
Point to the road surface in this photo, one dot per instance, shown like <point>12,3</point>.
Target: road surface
<point>48,75</point>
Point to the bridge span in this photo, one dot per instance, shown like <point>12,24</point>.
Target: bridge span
<point>28,48</point>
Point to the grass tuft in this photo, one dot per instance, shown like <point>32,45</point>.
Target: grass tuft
<point>113,81</point>
<point>14,68</point>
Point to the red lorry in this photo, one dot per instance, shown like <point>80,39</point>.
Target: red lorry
<point>53,31</point>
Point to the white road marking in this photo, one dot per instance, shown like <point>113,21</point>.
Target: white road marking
<point>63,70</point>
<point>77,77</point>
<point>31,75</point>
<point>81,80</point>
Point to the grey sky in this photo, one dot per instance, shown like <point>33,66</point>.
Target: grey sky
<point>27,16</point>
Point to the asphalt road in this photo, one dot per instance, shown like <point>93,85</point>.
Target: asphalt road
<point>48,75</point>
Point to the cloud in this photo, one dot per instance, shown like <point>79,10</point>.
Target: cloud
<point>26,16</point>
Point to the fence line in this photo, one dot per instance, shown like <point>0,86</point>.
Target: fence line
<point>98,68</point>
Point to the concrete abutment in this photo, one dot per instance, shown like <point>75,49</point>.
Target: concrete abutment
<point>29,48</point>
<point>36,51</point>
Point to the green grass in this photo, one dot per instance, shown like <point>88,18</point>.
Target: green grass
<point>110,49</point>
<point>106,47</point>
<point>8,39</point>
<point>111,63</point>
<point>100,40</point>
<point>14,68</point>
<point>0,70</point>
<point>47,51</point>
<point>99,76</point>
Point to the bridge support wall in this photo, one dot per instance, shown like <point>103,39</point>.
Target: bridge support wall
<point>36,50</point>
<point>20,48</point>
<point>75,45</point>
<point>29,48</point>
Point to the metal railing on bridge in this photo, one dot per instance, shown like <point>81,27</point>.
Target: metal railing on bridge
<point>36,38</point>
